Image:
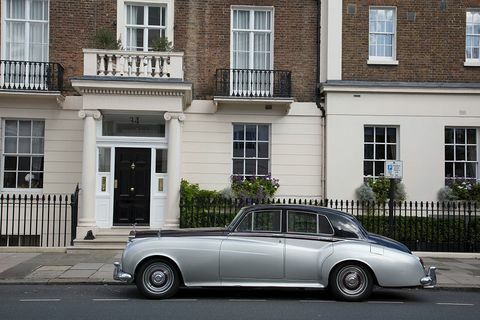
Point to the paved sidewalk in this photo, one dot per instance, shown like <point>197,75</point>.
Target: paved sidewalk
<point>96,267</point>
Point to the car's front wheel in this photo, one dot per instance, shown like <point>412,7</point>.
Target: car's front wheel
<point>158,279</point>
<point>351,282</point>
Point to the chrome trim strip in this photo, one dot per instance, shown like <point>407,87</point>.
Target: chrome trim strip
<point>430,280</point>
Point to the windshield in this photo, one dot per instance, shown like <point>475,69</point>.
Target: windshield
<point>235,220</point>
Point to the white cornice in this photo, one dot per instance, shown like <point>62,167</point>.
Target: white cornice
<point>355,89</point>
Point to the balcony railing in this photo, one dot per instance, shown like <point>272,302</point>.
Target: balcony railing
<point>31,75</point>
<point>253,83</point>
<point>119,63</point>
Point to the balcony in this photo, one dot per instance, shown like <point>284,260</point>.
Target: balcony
<point>133,64</point>
<point>133,80</point>
<point>254,86</point>
<point>31,76</point>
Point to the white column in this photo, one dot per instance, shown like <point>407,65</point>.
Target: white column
<point>86,214</point>
<point>174,163</point>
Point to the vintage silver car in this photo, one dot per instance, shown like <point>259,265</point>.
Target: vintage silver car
<point>272,246</point>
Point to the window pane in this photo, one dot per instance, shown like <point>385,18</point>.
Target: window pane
<point>266,221</point>
<point>368,151</point>
<point>238,132</point>
<point>154,16</point>
<point>262,167</point>
<point>23,180</point>
<point>449,132</point>
<point>471,170</point>
<point>302,222</point>
<point>324,225</point>
<point>25,128</point>
<point>10,163</point>
<point>263,149</point>
<point>24,164</point>
<point>472,153</point>
<point>379,168</point>
<point>460,169</point>
<point>24,145</point>
<point>449,169</point>
<point>37,180</point>
<point>379,151</point>
<point>471,136</point>
<point>11,145</point>
<point>38,129</point>
<point>37,163</point>
<point>391,135</point>
<point>238,149</point>
<point>391,152</point>
<point>238,166</point>
<point>250,150</point>
<point>37,145</point>
<point>379,134</point>
<point>368,168</point>
<point>246,224</point>
<point>368,134</point>
<point>104,159</point>
<point>460,136</point>
<point>263,133</point>
<point>250,167</point>
<point>459,153</point>
<point>11,128</point>
<point>251,132</point>
<point>9,180</point>
<point>449,153</point>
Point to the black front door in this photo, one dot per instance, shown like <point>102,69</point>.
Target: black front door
<point>132,186</point>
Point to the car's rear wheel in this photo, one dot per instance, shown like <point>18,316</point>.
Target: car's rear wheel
<point>158,279</point>
<point>351,282</point>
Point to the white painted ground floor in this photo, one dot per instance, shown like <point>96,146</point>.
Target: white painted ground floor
<point>434,131</point>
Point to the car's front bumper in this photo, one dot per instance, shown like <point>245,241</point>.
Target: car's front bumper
<point>430,279</point>
<point>118,274</point>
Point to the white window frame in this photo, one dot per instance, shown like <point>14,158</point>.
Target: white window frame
<point>27,22</point>
<point>256,141</point>
<point>471,62</point>
<point>385,60</point>
<point>31,154</point>
<point>465,161</point>
<point>121,17</point>
<point>384,144</point>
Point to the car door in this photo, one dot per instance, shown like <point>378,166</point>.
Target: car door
<point>308,242</point>
<point>254,251</point>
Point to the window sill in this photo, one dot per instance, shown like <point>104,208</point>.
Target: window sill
<point>382,62</point>
<point>472,63</point>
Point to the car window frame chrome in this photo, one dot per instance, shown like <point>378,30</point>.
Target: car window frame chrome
<point>280,210</point>
<point>305,233</point>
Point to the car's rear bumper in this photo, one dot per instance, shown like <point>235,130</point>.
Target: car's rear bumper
<point>119,275</point>
<point>430,279</point>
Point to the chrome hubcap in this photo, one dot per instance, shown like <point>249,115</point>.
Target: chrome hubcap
<point>352,280</point>
<point>158,277</point>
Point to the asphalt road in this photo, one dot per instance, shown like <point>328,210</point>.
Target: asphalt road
<point>123,302</point>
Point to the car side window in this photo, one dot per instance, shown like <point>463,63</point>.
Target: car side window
<point>308,223</point>
<point>261,221</point>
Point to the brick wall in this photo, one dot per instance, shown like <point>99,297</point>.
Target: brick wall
<point>202,31</point>
<point>431,48</point>
<point>72,26</point>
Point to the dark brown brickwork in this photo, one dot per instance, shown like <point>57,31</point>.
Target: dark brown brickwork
<point>72,26</point>
<point>202,31</point>
<point>429,49</point>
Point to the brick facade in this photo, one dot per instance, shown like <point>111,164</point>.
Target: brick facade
<point>202,31</point>
<point>429,49</point>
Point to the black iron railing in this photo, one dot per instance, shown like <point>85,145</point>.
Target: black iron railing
<point>30,75</point>
<point>253,83</point>
<point>38,220</point>
<point>422,226</point>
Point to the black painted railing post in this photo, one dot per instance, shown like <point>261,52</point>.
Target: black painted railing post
<point>74,211</point>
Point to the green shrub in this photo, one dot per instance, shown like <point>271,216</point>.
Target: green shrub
<point>464,191</point>
<point>379,190</point>
<point>192,191</point>
<point>162,44</point>
<point>258,188</point>
<point>105,38</point>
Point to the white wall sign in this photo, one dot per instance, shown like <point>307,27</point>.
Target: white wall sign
<point>393,169</point>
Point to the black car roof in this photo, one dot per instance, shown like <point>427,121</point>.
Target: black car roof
<point>317,209</point>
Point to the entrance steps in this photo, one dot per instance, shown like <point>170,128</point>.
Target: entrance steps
<point>106,239</point>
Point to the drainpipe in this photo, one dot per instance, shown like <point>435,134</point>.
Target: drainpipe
<point>320,104</point>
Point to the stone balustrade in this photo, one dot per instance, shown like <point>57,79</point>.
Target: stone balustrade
<point>120,63</point>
